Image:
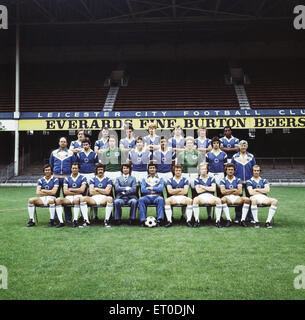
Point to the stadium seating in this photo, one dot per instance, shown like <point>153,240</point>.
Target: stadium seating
<point>68,87</point>
<point>275,84</point>
<point>161,85</point>
<point>7,89</point>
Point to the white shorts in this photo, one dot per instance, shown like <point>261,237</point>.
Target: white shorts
<point>72,198</point>
<point>232,198</point>
<point>260,198</point>
<point>178,199</point>
<point>217,176</point>
<point>139,175</point>
<point>99,198</point>
<point>206,197</point>
<point>165,175</point>
<point>46,199</point>
<point>88,176</point>
<point>191,177</point>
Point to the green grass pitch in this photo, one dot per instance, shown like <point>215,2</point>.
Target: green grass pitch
<point>141,263</point>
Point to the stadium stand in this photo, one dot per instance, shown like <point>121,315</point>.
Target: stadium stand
<point>63,87</point>
<point>276,84</point>
<point>7,89</point>
<point>166,85</point>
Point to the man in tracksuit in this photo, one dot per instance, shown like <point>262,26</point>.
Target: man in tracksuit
<point>152,190</point>
<point>61,160</point>
<point>244,161</point>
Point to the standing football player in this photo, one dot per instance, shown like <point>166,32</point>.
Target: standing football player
<point>139,159</point>
<point>152,141</point>
<point>229,144</point>
<point>202,143</point>
<point>177,141</point>
<point>112,158</point>
<point>46,190</point>
<point>76,145</point>
<point>127,143</point>
<point>102,144</point>
<point>189,159</point>
<point>258,189</point>
<point>165,159</point>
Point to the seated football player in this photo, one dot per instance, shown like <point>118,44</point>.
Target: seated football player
<point>100,191</point>
<point>231,189</point>
<point>205,187</point>
<point>152,190</point>
<point>74,187</point>
<point>258,189</point>
<point>126,194</point>
<point>46,190</point>
<point>177,189</point>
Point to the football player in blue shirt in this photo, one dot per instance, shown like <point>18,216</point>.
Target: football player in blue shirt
<point>258,189</point>
<point>74,187</point>
<point>139,159</point>
<point>177,141</point>
<point>205,187</point>
<point>202,143</point>
<point>231,189</point>
<point>216,160</point>
<point>152,190</point>
<point>87,159</point>
<point>102,144</point>
<point>152,141</point>
<point>177,189</point>
<point>100,190</point>
<point>244,161</point>
<point>46,190</point>
<point>76,145</point>
<point>229,144</point>
<point>165,159</point>
<point>129,142</point>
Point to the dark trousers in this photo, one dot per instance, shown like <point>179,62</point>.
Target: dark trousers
<point>238,210</point>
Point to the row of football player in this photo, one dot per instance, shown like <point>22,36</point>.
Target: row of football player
<point>152,141</point>
<point>61,158</point>
<point>100,191</point>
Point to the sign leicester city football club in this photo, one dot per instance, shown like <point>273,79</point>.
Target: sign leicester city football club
<point>187,119</point>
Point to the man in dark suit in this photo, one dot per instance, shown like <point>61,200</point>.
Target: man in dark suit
<point>126,194</point>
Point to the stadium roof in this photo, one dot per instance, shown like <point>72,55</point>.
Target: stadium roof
<point>146,11</point>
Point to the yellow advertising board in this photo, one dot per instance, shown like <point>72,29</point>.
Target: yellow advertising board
<point>293,122</point>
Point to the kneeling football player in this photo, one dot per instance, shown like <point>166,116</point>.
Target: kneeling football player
<point>177,188</point>
<point>258,189</point>
<point>74,187</point>
<point>231,189</point>
<point>205,187</point>
<point>100,188</point>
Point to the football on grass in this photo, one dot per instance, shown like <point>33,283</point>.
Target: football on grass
<point>150,222</point>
